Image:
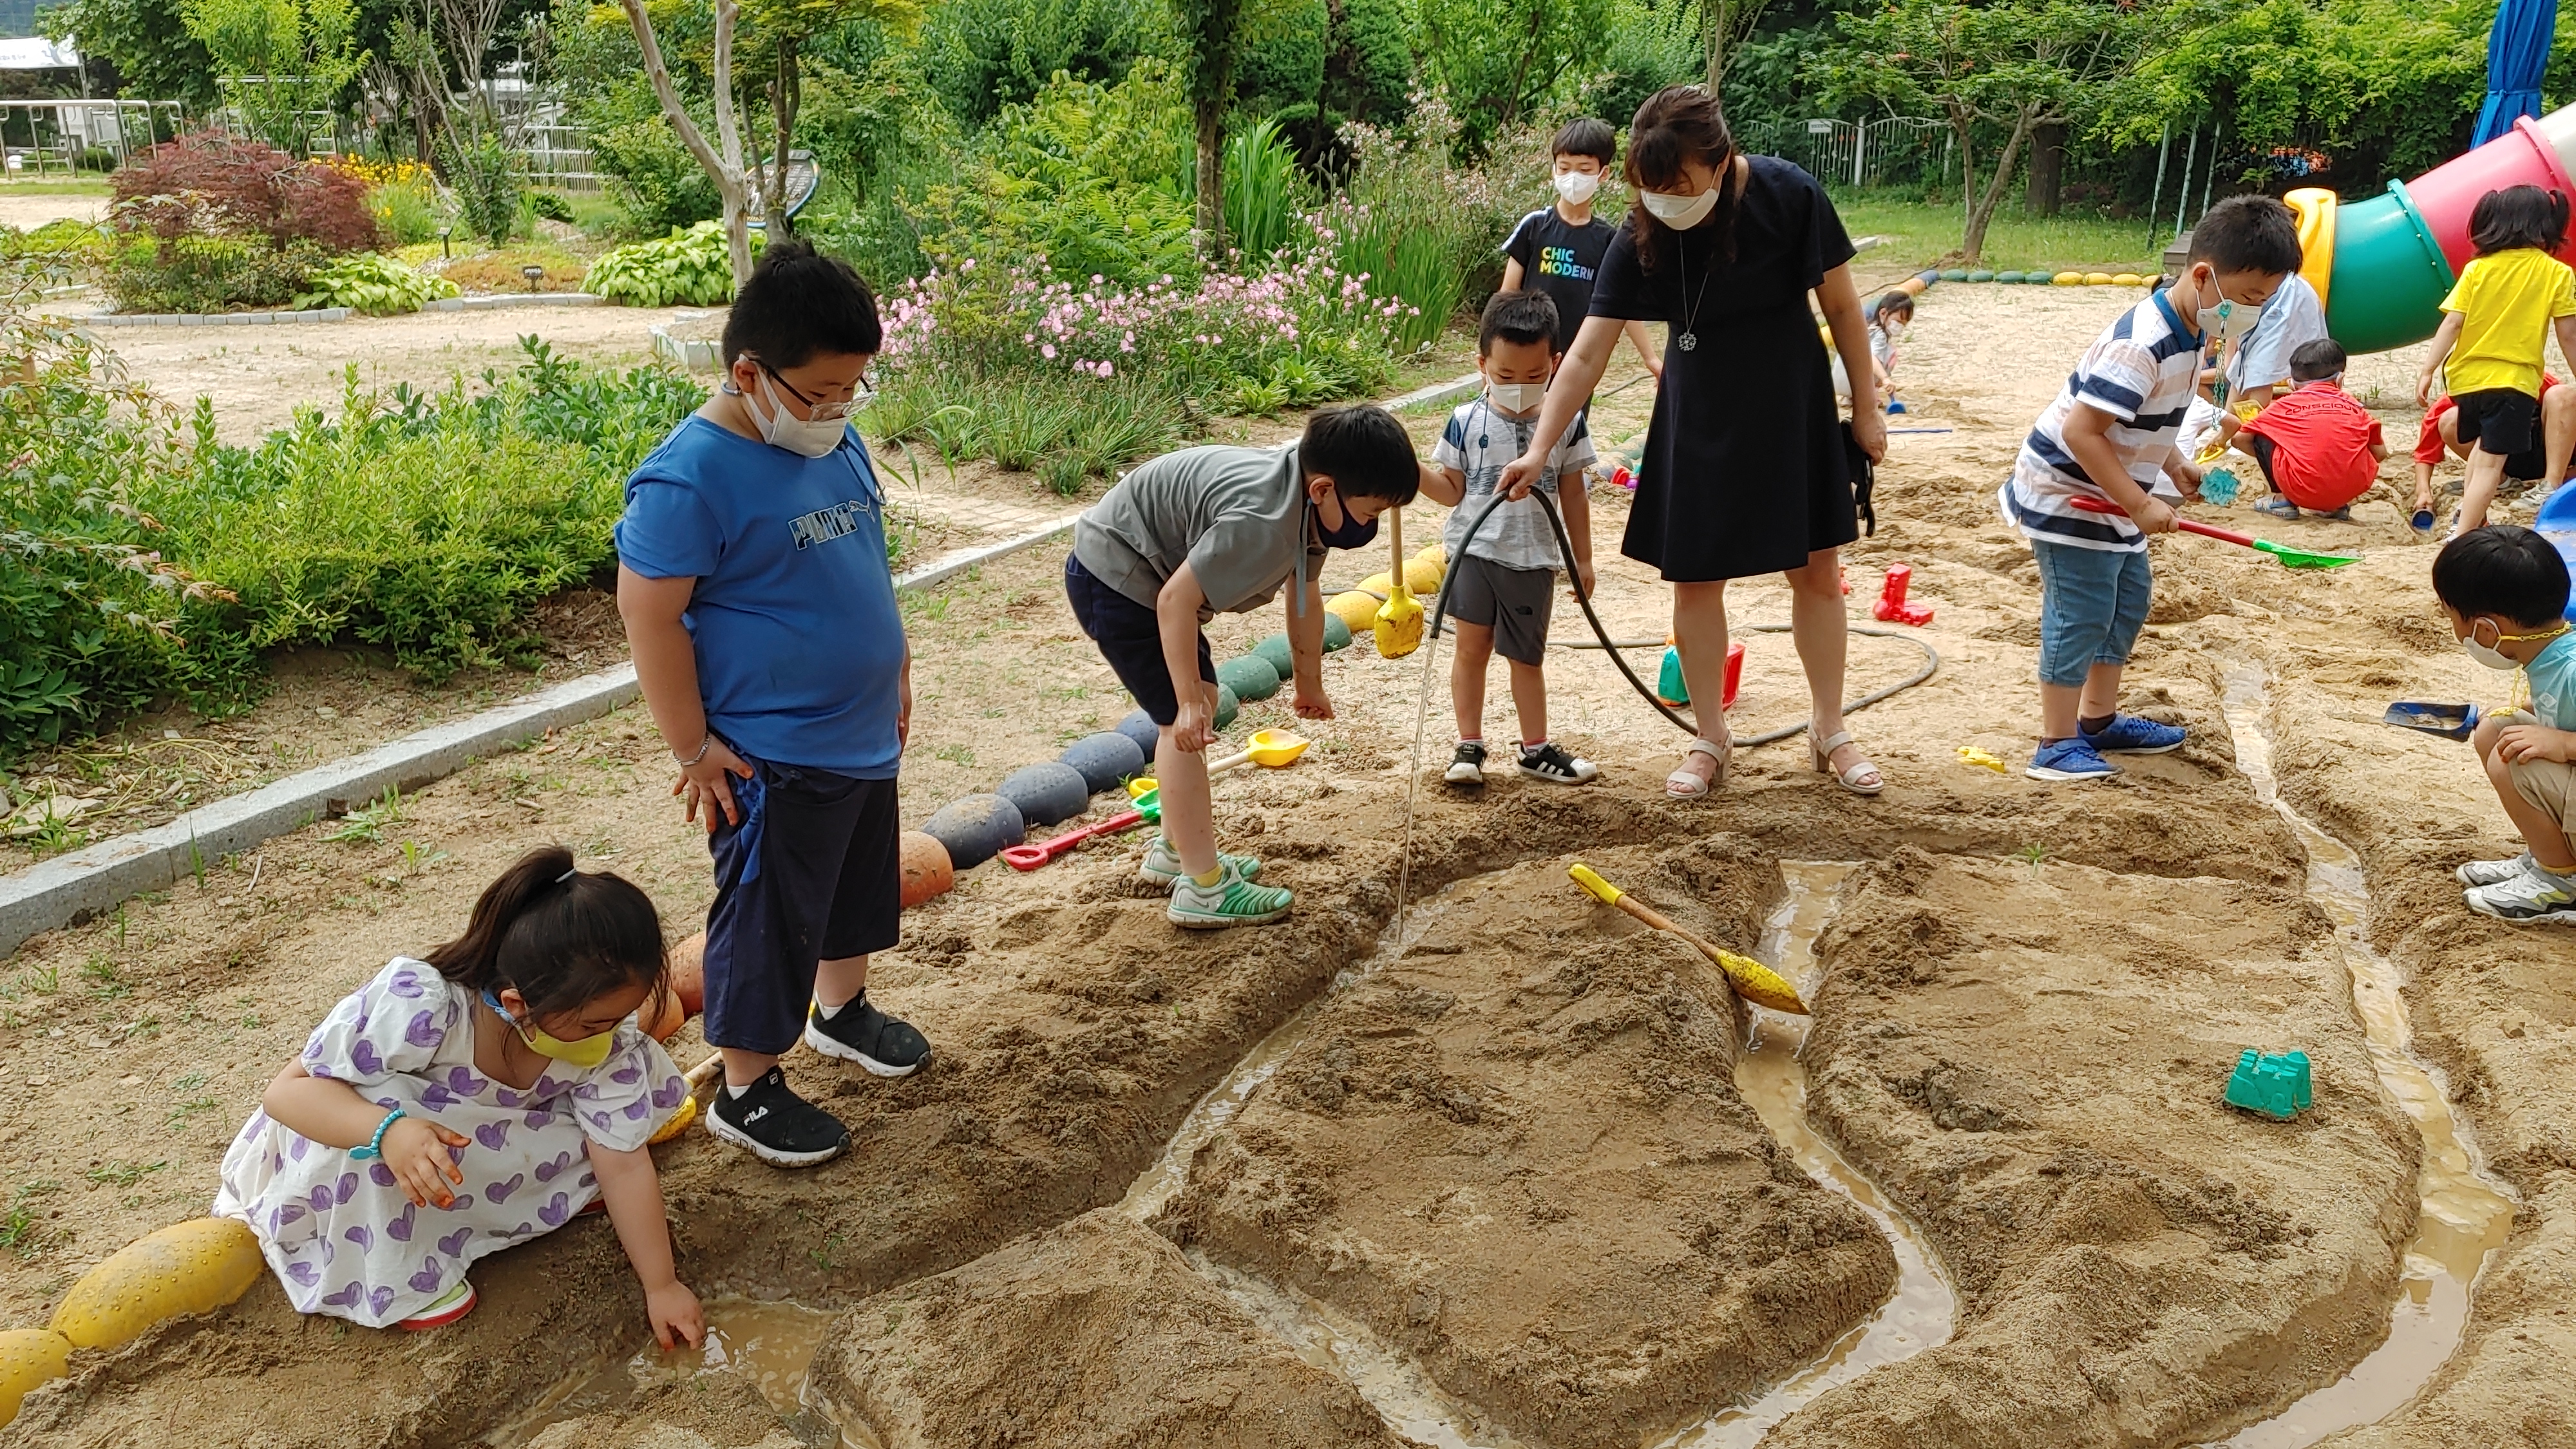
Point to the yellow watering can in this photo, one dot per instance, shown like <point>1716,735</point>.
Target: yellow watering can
<point>1399,619</point>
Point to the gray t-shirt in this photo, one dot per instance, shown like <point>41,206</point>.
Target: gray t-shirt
<point>1236,516</point>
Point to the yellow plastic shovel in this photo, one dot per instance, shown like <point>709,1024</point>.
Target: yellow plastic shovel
<point>1399,619</point>
<point>1751,979</point>
<point>1270,749</point>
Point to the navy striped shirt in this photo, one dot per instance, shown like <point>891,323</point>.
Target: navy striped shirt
<point>2142,371</point>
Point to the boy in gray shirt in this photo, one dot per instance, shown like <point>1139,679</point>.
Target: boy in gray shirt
<point>1214,530</point>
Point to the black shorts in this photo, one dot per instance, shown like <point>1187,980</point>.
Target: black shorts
<point>1514,603</point>
<point>813,873</point>
<point>1131,639</point>
<point>2261,446</point>
<point>2499,420</point>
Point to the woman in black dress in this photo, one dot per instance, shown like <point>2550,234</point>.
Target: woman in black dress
<point>1744,470</point>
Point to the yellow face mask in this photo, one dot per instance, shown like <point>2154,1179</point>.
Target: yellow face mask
<point>586,1053</point>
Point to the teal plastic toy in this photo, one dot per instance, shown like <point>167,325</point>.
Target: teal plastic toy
<point>2219,486</point>
<point>1669,686</point>
<point>2275,1086</point>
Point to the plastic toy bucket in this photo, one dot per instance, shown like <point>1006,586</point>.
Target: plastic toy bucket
<point>2389,274</point>
<point>2557,523</point>
<point>2445,195</point>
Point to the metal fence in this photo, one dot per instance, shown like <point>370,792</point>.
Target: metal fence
<point>1881,151</point>
<point>559,155</point>
<point>38,136</point>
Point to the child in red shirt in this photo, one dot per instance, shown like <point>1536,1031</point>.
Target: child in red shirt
<point>2558,432</point>
<point>2318,448</point>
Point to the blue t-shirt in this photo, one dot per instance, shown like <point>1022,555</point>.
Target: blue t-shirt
<point>800,647</point>
<point>2552,676</point>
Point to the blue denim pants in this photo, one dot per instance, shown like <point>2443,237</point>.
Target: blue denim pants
<point>2092,602</point>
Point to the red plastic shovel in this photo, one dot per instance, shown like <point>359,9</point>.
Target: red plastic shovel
<point>1030,857</point>
<point>2296,558</point>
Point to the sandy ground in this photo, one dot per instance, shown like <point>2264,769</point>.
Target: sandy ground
<point>26,213</point>
<point>2031,996</point>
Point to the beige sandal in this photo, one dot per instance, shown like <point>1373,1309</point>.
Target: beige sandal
<point>1686,784</point>
<point>1849,779</point>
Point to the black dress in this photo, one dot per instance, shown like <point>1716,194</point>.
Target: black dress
<point>1744,470</point>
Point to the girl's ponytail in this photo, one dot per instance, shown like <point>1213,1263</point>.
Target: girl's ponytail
<point>2519,216</point>
<point>1675,125</point>
<point>562,938</point>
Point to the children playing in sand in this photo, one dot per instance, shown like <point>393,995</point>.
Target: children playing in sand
<point>752,578</point>
<point>2504,590</point>
<point>2111,428</point>
<point>469,1099</point>
<point>2318,448</point>
<point>1502,581</point>
<point>1219,530</point>
<point>2495,334</point>
<point>1558,249</point>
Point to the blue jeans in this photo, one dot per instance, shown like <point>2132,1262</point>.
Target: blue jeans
<point>2092,602</point>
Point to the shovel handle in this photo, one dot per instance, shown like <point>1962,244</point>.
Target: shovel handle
<point>1030,857</point>
<point>2187,525</point>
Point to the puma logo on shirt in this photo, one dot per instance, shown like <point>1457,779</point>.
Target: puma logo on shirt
<point>826,524</point>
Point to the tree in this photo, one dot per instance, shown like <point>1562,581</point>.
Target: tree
<point>723,161</point>
<point>1213,32</point>
<point>146,41</point>
<point>2004,68</point>
<point>279,61</point>
<point>1500,60</point>
<point>1724,25</point>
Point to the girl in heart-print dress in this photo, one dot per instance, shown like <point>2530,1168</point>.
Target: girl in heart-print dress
<point>438,1119</point>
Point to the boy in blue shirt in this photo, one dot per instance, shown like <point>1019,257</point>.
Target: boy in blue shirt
<point>2110,431</point>
<point>2505,592</point>
<point>753,581</point>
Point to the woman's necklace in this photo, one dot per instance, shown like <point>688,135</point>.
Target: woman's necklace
<point>1689,340</point>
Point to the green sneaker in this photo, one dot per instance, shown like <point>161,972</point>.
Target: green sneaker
<point>1232,901</point>
<point>1162,865</point>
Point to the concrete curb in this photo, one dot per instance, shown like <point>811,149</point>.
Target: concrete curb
<point>1438,392</point>
<point>211,319</point>
<point>514,299</point>
<point>73,888</point>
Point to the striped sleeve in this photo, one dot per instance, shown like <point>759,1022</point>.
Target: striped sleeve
<point>2116,377</point>
<point>1452,450</point>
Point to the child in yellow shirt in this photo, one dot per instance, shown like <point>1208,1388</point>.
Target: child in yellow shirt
<point>2495,333</point>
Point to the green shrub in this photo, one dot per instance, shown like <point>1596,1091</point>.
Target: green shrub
<point>982,55</point>
<point>408,211</point>
<point>551,206</point>
<point>653,178</point>
<point>375,284</point>
<point>685,267</point>
<point>94,620</point>
<point>1260,190</point>
<point>198,274</point>
<point>488,179</point>
<point>62,243</point>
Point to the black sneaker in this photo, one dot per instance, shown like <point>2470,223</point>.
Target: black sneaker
<point>1550,762</point>
<point>860,1033</point>
<point>1467,767</point>
<point>779,1127</point>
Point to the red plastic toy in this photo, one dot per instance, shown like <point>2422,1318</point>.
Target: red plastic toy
<point>1891,607</point>
<point>1622,478</point>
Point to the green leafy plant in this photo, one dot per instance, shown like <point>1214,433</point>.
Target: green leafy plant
<point>489,180</point>
<point>375,284</point>
<point>366,824</point>
<point>686,267</point>
<point>1260,190</point>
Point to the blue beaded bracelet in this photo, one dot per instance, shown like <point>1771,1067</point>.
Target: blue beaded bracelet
<point>375,1147</point>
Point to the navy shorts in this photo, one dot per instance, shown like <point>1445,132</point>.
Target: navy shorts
<point>813,873</point>
<point>1130,637</point>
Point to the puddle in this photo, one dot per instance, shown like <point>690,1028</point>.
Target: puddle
<point>771,1344</point>
<point>2465,1215</point>
<point>1773,1079</point>
<point>1770,1076</point>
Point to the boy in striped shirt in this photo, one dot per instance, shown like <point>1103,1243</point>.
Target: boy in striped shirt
<point>2111,429</point>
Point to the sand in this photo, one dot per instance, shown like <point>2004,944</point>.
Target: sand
<point>1508,1148</point>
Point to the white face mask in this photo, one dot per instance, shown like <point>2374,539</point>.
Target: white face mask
<point>2217,321</point>
<point>1516,397</point>
<point>1681,213</point>
<point>808,437</point>
<point>1577,187</point>
<point>2495,658</point>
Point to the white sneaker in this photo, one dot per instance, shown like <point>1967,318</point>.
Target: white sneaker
<point>2532,897</point>
<point>2493,872</point>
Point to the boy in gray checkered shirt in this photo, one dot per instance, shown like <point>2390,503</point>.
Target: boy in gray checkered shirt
<point>1501,583</point>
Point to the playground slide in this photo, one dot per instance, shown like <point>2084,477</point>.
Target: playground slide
<point>2384,265</point>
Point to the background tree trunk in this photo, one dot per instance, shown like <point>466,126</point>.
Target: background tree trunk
<point>786,94</point>
<point>1211,176</point>
<point>1981,206</point>
<point>2047,168</point>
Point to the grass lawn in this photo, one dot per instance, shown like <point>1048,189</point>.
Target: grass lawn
<point>1922,235</point>
<point>55,185</point>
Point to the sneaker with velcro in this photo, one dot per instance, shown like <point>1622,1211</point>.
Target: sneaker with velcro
<point>887,1046</point>
<point>775,1125</point>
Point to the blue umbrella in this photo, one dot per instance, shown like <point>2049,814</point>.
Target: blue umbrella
<point>2517,52</point>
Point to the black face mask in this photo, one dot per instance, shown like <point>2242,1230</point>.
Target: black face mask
<point>1352,534</point>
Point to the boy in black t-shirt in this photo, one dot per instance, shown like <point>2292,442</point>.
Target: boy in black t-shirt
<point>1559,249</point>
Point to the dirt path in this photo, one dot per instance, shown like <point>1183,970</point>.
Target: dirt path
<point>2032,994</point>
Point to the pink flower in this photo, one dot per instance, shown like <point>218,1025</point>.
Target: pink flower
<point>1047,351</point>
<point>967,265</point>
<point>1106,370</point>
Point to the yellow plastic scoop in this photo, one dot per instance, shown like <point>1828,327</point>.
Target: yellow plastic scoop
<point>1269,749</point>
<point>1399,619</point>
<point>1751,979</point>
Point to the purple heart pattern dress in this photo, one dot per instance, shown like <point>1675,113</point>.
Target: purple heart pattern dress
<point>341,1236</point>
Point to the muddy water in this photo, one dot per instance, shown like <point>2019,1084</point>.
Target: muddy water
<point>1773,1079</point>
<point>771,1344</point>
<point>2465,1212</point>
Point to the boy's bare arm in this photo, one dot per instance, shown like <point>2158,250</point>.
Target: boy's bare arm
<point>2088,438</point>
<point>1306,653</point>
<point>1445,486</point>
<point>1511,274</point>
<point>2565,327</point>
<point>666,668</point>
<point>1176,612</point>
<point>2520,742</point>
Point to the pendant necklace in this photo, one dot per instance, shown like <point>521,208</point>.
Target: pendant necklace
<point>1689,340</point>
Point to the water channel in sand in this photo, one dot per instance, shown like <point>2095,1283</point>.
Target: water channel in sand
<point>2465,1213</point>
